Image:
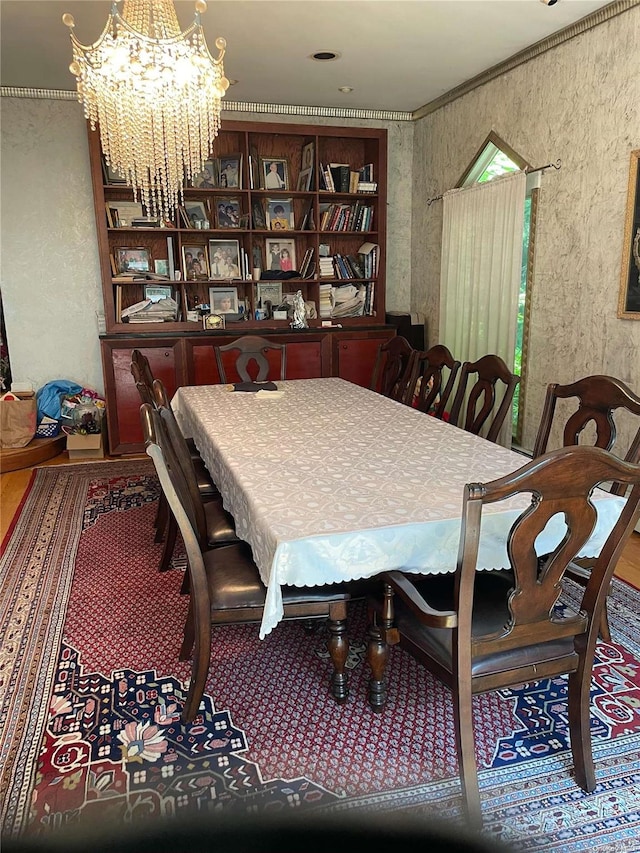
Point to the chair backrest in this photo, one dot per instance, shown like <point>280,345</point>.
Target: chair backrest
<point>560,483</point>
<point>482,399</point>
<point>253,351</point>
<point>393,369</point>
<point>173,444</point>
<point>597,398</point>
<point>430,368</point>
<point>143,376</point>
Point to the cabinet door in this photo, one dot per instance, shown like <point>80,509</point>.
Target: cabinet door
<point>355,354</point>
<point>123,399</point>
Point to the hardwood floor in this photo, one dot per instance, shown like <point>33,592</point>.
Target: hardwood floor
<point>14,483</point>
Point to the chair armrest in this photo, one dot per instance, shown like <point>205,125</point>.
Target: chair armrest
<point>420,606</point>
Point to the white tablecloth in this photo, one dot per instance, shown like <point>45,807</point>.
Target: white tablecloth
<point>329,482</point>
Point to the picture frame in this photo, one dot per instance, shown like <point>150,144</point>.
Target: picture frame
<point>230,171</point>
<point>125,212</point>
<point>197,213</point>
<point>308,156</point>
<point>110,175</point>
<point>161,266</point>
<point>275,259</point>
<point>228,212</point>
<point>275,173</point>
<point>212,322</point>
<point>207,179</point>
<point>224,259</point>
<point>629,298</point>
<point>304,180</point>
<point>133,259</point>
<point>195,263</point>
<point>156,292</point>
<point>223,300</point>
<point>279,213</point>
<point>257,212</point>
<point>270,291</point>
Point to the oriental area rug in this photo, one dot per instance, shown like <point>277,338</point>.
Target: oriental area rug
<point>91,691</point>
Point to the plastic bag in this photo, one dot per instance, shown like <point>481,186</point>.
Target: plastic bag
<point>49,397</point>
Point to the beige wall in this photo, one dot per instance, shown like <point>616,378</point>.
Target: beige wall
<point>579,102</point>
<point>49,271</point>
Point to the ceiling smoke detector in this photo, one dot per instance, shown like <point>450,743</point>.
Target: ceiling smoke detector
<point>325,56</point>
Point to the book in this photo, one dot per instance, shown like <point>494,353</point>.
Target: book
<point>340,176</point>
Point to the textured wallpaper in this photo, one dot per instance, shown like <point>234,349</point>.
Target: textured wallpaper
<point>579,102</point>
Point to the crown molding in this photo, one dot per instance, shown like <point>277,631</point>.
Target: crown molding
<point>554,40</point>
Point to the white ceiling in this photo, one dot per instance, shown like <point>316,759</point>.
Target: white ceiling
<point>396,54</point>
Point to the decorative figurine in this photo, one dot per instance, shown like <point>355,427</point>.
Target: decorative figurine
<point>299,313</point>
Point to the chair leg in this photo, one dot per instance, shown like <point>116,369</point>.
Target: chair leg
<point>169,544</point>
<point>338,645</point>
<point>603,629</point>
<point>579,725</point>
<point>161,519</point>
<point>465,743</point>
<point>189,635</point>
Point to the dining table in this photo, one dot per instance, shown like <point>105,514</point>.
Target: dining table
<point>330,482</point>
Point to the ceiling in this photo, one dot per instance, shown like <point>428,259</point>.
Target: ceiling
<point>395,54</point>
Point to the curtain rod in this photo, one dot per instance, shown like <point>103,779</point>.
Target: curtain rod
<point>557,165</point>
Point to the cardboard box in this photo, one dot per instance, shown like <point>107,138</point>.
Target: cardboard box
<point>86,446</point>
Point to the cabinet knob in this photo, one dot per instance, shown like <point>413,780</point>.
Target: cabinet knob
<point>167,354</point>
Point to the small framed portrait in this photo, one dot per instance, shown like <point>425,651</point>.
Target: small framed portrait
<point>275,173</point>
<point>230,171</point>
<point>223,300</point>
<point>156,292</point>
<point>224,259</point>
<point>269,291</point>
<point>304,180</point>
<point>280,254</point>
<point>197,213</point>
<point>161,267</point>
<point>257,212</point>
<point>195,263</point>
<point>280,214</point>
<point>213,322</point>
<point>133,260</point>
<point>207,179</point>
<point>308,156</point>
<point>228,212</point>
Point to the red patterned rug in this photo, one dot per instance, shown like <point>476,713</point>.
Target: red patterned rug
<point>92,690</point>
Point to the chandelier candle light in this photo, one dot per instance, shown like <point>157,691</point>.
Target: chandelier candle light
<point>155,93</point>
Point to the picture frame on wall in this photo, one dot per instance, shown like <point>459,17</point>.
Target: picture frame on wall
<point>629,299</point>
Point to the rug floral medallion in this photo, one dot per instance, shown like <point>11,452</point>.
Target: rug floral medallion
<point>92,692</point>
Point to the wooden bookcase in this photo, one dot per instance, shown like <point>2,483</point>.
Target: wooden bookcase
<point>253,147</point>
<point>182,352</point>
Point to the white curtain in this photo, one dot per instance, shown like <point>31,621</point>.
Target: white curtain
<point>482,235</point>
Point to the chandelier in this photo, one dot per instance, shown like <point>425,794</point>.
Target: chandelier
<point>155,93</point>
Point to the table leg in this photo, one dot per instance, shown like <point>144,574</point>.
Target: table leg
<point>338,646</point>
<point>377,657</point>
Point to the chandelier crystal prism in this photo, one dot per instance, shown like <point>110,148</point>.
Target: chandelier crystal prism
<point>155,93</point>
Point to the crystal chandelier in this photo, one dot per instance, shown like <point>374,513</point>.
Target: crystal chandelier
<point>155,93</point>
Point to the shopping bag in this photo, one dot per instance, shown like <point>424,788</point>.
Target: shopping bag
<point>17,422</point>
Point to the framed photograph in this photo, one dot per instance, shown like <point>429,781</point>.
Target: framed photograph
<point>308,156</point>
<point>213,322</point>
<point>161,267</point>
<point>207,179</point>
<point>275,173</point>
<point>228,212</point>
<point>280,214</point>
<point>280,254</point>
<point>223,300</point>
<point>304,179</point>
<point>629,301</point>
<point>224,257</point>
<point>257,212</point>
<point>230,171</point>
<point>269,291</point>
<point>195,264</point>
<point>125,212</point>
<point>133,260</point>
<point>110,174</point>
<point>156,292</point>
<point>197,213</point>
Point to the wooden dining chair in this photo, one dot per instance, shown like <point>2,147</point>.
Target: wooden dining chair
<point>481,409</point>
<point>225,586</point>
<point>256,360</point>
<point>431,368</point>
<point>480,631</point>
<point>393,369</point>
<point>594,399</point>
